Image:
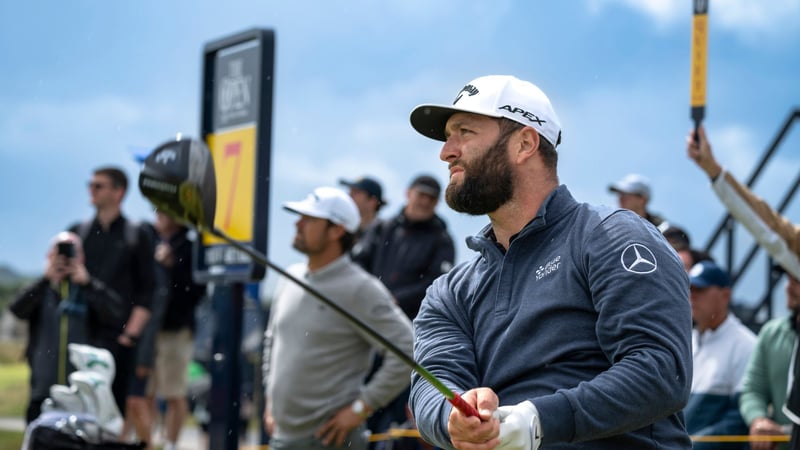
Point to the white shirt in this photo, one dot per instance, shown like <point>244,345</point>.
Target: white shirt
<point>720,357</point>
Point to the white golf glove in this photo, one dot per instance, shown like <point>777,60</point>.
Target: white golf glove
<point>520,428</point>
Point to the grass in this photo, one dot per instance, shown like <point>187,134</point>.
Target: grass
<point>11,352</point>
<point>14,386</point>
<point>11,439</point>
<point>13,389</point>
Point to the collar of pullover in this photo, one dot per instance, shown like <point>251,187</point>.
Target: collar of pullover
<point>558,203</point>
<point>324,272</point>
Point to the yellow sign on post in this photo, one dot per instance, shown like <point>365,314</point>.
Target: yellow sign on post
<point>234,155</point>
<point>236,123</point>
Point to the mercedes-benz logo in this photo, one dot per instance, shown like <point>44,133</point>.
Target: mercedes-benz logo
<point>637,258</point>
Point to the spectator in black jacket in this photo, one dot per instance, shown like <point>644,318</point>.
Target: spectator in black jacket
<point>410,250</point>
<point>119,253</point>
<point>407,252</point>
<point>55,307</point>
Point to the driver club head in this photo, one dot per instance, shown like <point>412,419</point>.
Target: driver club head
<point>178,178</point>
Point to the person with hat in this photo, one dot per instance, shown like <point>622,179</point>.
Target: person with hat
<point>407,252</point>
<point>633,192</point>
<point>571,327</point>
<point>679,240</point>
<point>315,361</point>
<point>722,346</point>
<point>368,195</point>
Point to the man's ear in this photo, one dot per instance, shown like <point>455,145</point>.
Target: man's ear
<point>120,194</point>
<point>336,232</point>
<point>526,143</point>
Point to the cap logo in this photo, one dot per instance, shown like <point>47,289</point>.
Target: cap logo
<point>528,115</point>
<point>469,89</point>
<point>636,258</point>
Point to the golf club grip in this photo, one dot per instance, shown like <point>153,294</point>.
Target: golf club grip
<point>463,406</point>
<point>697,132</point>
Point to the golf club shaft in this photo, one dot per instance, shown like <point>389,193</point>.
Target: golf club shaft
<point>451,396</point>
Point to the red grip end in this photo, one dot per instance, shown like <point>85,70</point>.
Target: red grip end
<point>463,406</point>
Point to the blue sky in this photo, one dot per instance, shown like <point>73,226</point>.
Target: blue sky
<point>84,82</point>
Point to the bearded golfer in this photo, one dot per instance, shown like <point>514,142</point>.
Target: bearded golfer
<point>570,328</point>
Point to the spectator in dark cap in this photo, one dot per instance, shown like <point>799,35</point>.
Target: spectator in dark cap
<point>679,240</point>
<point>633,193</point>
<point>407,252</point>
<point>368,195</point>
<point>722,346</point>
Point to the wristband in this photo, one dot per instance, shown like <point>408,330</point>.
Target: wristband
<point>360,408</point>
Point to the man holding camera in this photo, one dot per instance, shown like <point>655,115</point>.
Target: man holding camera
<point>55,307</point>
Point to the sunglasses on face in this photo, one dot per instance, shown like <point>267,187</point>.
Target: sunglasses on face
<point>95,186</point>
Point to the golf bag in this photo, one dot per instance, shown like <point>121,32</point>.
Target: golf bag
<point>83,415</point>
<point>61,430</point>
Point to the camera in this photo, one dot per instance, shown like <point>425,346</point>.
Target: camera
<point>67,249</point>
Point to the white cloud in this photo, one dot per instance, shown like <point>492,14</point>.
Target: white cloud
<point>756,17</point>
<point>663,12</point>
<point>749,20</point>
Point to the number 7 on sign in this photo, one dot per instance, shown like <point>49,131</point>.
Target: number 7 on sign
<point>232,150</point>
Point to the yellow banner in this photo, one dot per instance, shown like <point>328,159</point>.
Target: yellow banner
<point>234,155</point>
<point>699,53</point>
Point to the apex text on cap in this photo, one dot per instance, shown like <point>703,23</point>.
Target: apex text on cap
<point>493,96</point>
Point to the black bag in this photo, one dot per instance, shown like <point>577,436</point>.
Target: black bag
<point>42,436</point>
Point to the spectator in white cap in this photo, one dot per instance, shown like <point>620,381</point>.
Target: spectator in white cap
<point>633,192</point>
<point>315,361</point>
<point>570,328</point>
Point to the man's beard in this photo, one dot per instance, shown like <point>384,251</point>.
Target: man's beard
<point>300,245</point>
<point>488,182</point>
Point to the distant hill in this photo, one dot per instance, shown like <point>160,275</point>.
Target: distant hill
<point>10,276</point>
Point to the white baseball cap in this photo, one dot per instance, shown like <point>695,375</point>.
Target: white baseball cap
<point>331,204</point>
<point>493,96</point>
<point>632,183</point>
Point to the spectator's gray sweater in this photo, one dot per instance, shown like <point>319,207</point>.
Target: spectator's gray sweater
<point>315,360</point>
<point>587,315</point>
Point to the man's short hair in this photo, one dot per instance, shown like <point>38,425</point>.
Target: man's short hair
<point>117,176</point>
<point>546,149</point>
<point>548,153</point>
